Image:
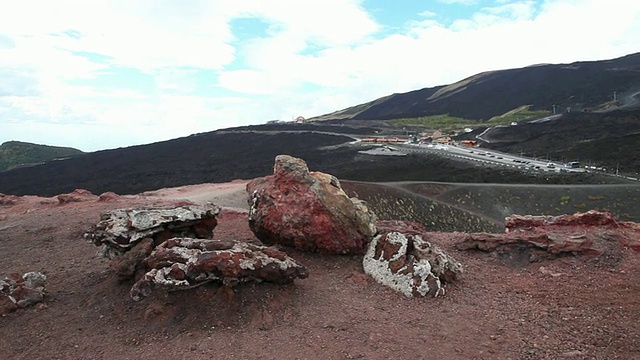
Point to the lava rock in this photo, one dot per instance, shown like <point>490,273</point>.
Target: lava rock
<point>409,264</point>
<point>77,195</point>
<point>120,230</point>
<point>308,211</point>
<point>18,292</point>
<point>591,233</point>
<point>183,263</point>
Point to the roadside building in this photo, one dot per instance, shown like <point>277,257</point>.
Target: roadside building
<point>442,140</point>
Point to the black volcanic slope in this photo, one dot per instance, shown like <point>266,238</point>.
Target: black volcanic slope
<point>579,85</point>
<point>210,157</point>
<point>606,139</point>
<point>248,153</point>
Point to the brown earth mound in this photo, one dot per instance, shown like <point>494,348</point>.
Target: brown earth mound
<point>570,307</point>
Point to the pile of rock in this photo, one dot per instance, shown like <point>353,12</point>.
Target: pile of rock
<point>182,263</point>
<point>18,292</point>
<point>309,211</point>
<point>118,231</point>
<point>171,247</point>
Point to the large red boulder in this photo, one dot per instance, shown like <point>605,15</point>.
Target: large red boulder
<point>308,211</point>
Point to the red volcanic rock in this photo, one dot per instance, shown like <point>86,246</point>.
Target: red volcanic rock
<point>409,264</point>
<point>8,199</point>
<point>108,196</point>
<point>589,218</point>
<point>308,211</point>
<point>182,263</point>
<point>78,195</point>
<point>590,233</point>
<point>17,292</point>
<point>126,265</point>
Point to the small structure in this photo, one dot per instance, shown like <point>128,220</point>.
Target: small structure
<point>385,140</point>
<point>442,140</point>
<point>469,143</point>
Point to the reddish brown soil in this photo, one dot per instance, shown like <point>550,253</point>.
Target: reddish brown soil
<point>570,308</point>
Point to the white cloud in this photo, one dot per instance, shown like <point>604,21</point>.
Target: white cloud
<point>316,57</point>
<point>460,2</point>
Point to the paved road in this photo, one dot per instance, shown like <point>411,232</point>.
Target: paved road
<point>490,157</point>
<point>486,135</point>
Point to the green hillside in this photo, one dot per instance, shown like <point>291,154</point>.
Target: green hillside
<point>16,153</point>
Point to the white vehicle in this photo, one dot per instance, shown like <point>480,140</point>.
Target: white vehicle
<point>551,165</point>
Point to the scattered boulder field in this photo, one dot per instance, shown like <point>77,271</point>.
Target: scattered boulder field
<point>173,247</point>
<point>183,270</point>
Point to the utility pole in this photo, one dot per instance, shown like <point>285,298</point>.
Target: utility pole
<point>554,109</point>
<point>614,96</point>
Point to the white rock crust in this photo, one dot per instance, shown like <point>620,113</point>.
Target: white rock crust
<point>423,267</point>
<point>233,263</point>
<point>121,229</point>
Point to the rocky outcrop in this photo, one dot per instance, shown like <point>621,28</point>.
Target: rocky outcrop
<point>18,292</point>
<point>171,247</point>
<point>8,199</point>
<point>120,230</point>
<point>108,196</point>
<point>408,263</point>
<point>77,195</point>
<point>182,263</point>
<point>590,233</point>
<point>308,210</point>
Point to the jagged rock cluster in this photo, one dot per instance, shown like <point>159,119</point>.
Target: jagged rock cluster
<point>182,263</point>
<point>407,263</point>
<point>120,230</point>
<point>17,292</point>
<point>590,233</point>
<point>172,248</point>
<point>308,211</point>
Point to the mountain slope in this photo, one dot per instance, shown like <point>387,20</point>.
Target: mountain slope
<point>610,139</point>
<point>579,86</point>
<point>247,153</point>
<point>16,153</point>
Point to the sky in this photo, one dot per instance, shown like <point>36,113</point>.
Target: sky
<point>106,74</point>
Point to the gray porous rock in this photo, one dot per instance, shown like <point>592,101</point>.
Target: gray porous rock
<point>120,230</point>
<point>183,263</point>
<point>18,292</point>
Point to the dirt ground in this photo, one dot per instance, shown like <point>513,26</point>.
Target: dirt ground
<point>569,308</point>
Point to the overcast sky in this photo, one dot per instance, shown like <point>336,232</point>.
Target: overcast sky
<point>105,74</point>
